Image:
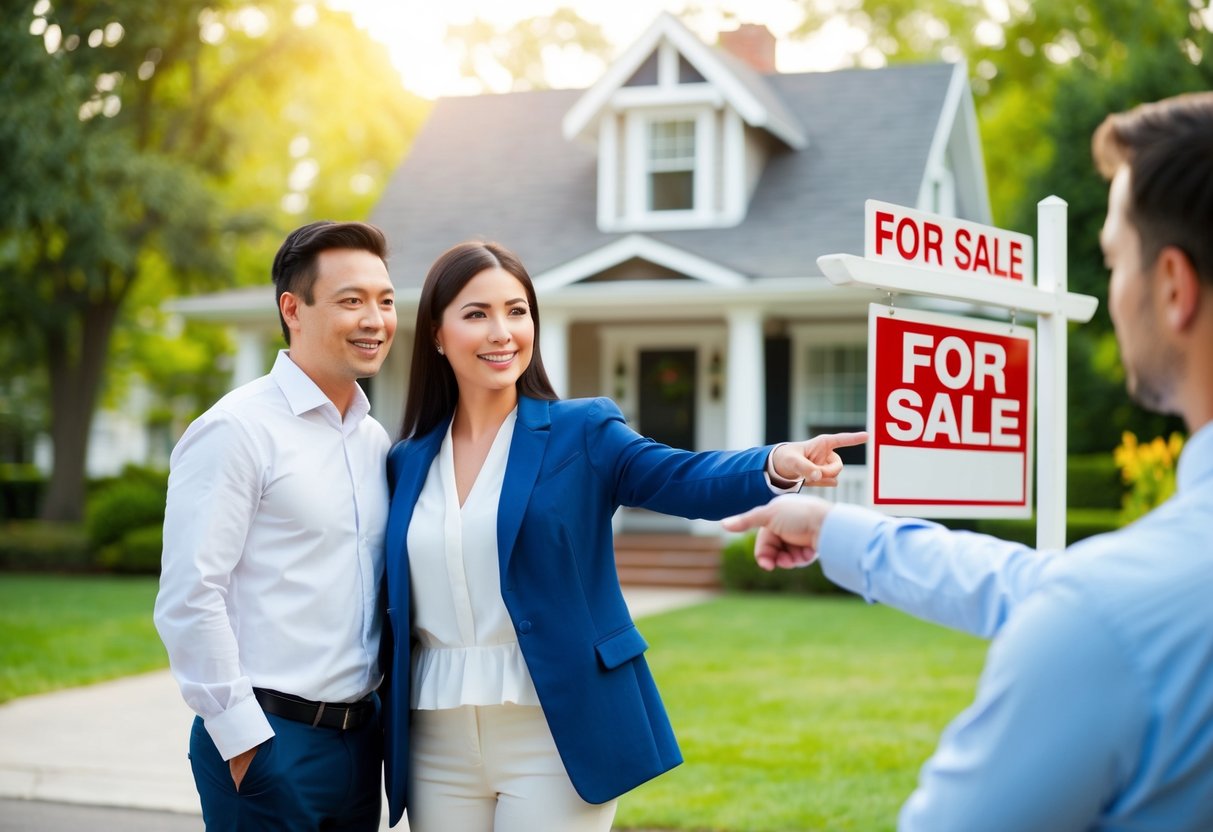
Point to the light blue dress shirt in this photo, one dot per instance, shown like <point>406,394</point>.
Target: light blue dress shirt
<point>1095,707</point>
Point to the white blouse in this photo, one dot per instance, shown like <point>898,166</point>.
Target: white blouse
<point>467,652</point>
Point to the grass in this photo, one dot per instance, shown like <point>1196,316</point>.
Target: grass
<point>58,631</point>
<point>798,713</point>
<point>793,712</point>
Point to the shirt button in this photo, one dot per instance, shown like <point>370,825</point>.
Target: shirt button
<point>524,626</point>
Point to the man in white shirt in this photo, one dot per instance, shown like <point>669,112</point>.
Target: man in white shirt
<point>273,555</point>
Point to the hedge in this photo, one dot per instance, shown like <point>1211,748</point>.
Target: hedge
<point>1093,481</point>
<point>739,571</point>
<point>122,508</point>
<point>37,546</point>
<point>21,489</point>
<point>138,552</point>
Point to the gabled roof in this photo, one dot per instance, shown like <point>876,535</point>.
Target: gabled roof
<point>651,253</point>
<point>742,88</point>
<point>499,167</point>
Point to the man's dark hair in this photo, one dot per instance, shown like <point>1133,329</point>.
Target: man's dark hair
<point>1168,147</point>
<point>294,268</point>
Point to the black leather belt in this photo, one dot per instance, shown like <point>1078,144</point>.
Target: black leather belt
<point>344,716</point>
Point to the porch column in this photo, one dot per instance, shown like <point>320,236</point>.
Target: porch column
<point>554,345</point>
<point>250,356</point>
<point>745,396</point>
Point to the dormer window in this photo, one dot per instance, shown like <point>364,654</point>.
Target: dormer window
<point>682,133</point>
<point>671,177</point>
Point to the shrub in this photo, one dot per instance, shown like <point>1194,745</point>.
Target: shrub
<point>137,474</point>
<point>21,488</point>
<point>33,545</point>
<point>1093,481</point>
<point>121,508</point>
<point>137,552</point>
<point>739,571</point>
<point>1088,522</point>
<point>1149,471</point>
<point>1080,523</point>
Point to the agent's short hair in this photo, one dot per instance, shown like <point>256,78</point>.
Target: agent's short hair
<point>1168,148</point>
<point>294,268</point>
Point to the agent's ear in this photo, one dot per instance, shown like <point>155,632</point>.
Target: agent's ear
<point>1177,288</point>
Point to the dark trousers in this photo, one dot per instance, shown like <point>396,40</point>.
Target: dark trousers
<point>302,779</point>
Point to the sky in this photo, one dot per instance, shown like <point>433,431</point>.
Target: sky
<point>413,32</point>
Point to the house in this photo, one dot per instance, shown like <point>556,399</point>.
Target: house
<point>671,216</point>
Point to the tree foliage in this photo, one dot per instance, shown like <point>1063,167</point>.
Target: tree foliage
<point>1044,76</point>
<point>161,148</point>
<point>522,53</point>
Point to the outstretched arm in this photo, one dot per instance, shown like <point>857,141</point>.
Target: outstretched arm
<point>962,580</point>
<point>814,461</point>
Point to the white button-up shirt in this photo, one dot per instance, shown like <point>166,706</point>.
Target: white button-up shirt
<point>468,653</point>
<point>273,553</point>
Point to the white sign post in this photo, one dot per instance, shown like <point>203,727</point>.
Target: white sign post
<point>920,253</point>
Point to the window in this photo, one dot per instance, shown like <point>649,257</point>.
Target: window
<point>671,165</point>
<point>836,392</point>
<point>943,192</point>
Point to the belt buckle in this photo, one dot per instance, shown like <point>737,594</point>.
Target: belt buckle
<point>345,719</point>
<point>319,714</point>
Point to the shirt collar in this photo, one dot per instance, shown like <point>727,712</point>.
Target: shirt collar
<point>1196,459</point>
<point>303,395</point>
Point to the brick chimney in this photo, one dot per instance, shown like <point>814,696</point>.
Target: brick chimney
<point>753,43</point>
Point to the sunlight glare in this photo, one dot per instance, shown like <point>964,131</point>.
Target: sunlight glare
<point>414,34</point>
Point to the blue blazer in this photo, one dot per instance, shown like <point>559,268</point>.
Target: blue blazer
<point>571,465</point>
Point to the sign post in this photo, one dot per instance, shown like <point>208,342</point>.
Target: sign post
<point>925,254</point>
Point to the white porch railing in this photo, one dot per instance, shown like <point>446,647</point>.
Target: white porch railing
<point>852,487</point>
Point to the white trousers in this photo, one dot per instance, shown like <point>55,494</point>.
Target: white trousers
<point>493,768</point>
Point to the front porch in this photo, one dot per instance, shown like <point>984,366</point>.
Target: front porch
<point>691,557</point>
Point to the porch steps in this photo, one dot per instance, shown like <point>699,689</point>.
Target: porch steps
<point>682,560</point>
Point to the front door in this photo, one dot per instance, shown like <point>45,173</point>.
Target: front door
<point>667,397</point>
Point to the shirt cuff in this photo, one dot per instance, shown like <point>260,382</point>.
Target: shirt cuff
<point>844,539</point>
<point>239,728</point>
<point>776,483</point>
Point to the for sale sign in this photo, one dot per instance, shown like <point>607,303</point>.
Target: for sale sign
<point>945,244</point>
<point>950,414</point>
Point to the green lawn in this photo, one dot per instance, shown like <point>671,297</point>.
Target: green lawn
<point>57,631</point>
<point>798,713</point>
<point>793,713</point>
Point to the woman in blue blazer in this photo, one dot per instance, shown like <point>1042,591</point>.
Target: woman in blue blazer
<point>517,694</point>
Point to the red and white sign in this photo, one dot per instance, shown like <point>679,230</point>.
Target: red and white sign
<point>950,413</point>
<point>945,244</point>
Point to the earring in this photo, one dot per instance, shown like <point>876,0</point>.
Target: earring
<point>440,352</point>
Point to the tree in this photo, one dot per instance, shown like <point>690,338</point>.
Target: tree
<point>520,53</point>
<point>1045,76</point>
<point>119,153</point>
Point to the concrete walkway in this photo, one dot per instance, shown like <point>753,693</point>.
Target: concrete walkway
<point>123,743</point>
